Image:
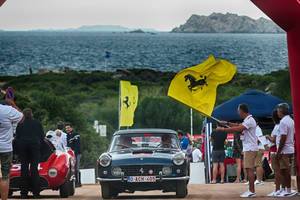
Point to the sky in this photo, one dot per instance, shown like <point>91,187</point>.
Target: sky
<point>161,15</point>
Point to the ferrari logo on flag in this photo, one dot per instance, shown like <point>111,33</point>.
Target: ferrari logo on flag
<point>196,86</point>
<point>129,100</point>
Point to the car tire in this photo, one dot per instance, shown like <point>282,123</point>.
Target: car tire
<point>64,190</point>
<point>105,191</point>
<point>71,185</point>
<point>181,189</point>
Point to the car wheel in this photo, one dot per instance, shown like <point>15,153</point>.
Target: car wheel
<point>71,185</point>
<point>64,190</point>
<point>105,191</point>
<point>181,189</point>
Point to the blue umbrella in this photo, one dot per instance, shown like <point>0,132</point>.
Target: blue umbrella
<point>260,105</point>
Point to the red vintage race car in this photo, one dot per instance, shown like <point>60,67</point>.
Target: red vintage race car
<point>56,170</point>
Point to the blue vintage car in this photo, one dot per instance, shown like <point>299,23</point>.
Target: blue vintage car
<point>143,160</point>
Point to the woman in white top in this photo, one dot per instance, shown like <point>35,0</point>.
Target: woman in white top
<point>273,150</point>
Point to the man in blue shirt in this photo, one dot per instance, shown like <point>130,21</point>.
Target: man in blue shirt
<point>184,141</point>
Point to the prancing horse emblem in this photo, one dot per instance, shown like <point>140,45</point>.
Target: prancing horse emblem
<point>142,171</point>
<point>126,102</point>
<point>195,83</point>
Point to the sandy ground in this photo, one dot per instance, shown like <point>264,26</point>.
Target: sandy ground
<point>227,191</point>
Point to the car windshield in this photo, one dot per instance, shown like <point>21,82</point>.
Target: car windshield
<point>146,140</point>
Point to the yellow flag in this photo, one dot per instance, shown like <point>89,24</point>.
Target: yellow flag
<point>129,101</point>
<point>196,86</point>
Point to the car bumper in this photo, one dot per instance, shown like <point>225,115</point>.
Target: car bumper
<point>183,178</point>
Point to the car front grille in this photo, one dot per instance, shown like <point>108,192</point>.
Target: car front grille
<point>141,170</point>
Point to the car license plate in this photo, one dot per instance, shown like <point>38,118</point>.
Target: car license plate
<point>140,179</point>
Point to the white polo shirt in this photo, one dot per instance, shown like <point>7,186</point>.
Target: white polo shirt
<point>8,116</point>
<point>250,138</point>
<point>286,127</point>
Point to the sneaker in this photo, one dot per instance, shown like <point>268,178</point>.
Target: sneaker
<point>247,183</point>
<point>259,183</point>
<point>278,193</point>
<point>272,194</point>
<point>275,193</point>
<point>248,194</point>
<point>298,194</point>
<point>286,194</point>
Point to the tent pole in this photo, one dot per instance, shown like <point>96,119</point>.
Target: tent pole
<point>208,151</point>
<point>191,121</point>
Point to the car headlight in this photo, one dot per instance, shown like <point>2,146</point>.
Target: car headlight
<point>104,160</point>
<point>52,173</point>
<point>116,171</point>
<point>167,170</point>
<point>179,158</point>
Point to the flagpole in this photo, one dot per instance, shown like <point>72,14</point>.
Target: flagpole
<point>191,110</point>
<point>219,121</point>
<point>119,108</point>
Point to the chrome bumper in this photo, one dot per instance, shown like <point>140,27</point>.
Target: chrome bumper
<point>183,178</point>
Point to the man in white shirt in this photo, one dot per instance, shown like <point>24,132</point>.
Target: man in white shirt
<point>250,146</point>
<point>285,147</point>
<point>197,155</point>
<point>9,114</point>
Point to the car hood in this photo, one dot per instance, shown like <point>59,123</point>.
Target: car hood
<point>141,157</point>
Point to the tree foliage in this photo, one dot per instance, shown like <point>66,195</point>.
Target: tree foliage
<point>82,97</point>
<point>164,112</point>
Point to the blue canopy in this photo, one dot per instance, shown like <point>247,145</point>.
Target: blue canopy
<point>260,105</point>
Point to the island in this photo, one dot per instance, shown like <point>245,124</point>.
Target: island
<point>227,23</point>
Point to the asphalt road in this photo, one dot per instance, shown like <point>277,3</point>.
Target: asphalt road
<point>227,191</point>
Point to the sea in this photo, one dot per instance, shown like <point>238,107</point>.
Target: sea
<point>251,53</point>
